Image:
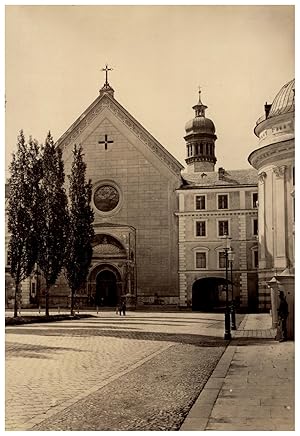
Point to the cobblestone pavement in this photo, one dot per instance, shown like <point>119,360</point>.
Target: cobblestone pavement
<point>142,371</point>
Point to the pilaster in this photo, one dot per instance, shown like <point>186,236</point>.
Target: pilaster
<point>182,262</point>
<point>243,261</point>
<point>280,260</point>
<point>261,220</point>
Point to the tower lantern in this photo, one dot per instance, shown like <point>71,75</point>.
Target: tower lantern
<point>200,141</point>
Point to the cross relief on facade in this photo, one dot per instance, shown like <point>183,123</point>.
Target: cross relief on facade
<point>106,141</point>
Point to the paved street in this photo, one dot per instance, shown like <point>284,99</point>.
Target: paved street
<point>139,372</point>
<point>252,386</point>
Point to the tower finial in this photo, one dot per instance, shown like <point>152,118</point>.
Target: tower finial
<point>106,88</point>
<point>199,92</point>
<point>106,69</point>
<point>200,107</point>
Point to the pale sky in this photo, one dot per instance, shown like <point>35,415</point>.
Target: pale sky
<point>240,56</point>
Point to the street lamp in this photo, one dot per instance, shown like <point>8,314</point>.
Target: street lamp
<point>231,255</point>
<point>227,333</point>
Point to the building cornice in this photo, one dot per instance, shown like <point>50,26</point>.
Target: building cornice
<point>207,214</point>
<point>272,153</point>
<point>217,188</point>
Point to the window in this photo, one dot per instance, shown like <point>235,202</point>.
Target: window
<point>222,259</point>
<point>223,228</point>
<point>222,201</point>
<point>200,228</point>
<point>201,259</point>
<point>200,202</point>
<point>254,200</point>
<point>255,227</point>
<point>255,258</point>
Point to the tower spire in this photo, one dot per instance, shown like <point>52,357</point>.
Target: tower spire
<point>199,108</point>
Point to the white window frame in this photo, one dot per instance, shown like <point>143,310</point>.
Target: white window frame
<point>229,229</point>
<point>223,194</point>
<point>195,228</point>
<point>195,200</point>
<point>201,250</point>
<point>252,201</point>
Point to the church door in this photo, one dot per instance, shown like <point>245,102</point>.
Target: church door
<point>106,289</point>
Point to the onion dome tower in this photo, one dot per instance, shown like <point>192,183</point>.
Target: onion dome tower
<point>200,141</point>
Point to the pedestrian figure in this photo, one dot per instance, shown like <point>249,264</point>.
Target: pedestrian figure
<point>282,317</point>
<point>124,307</point>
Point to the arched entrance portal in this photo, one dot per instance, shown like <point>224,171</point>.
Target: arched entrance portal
<point>209,293</point>
<point>106,289</point>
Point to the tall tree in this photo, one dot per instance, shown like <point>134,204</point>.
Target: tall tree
<point>80,226</point>
<point>53,216</point>
<point>22,212</point>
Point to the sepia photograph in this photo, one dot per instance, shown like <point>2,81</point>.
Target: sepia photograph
<point>149,217</point>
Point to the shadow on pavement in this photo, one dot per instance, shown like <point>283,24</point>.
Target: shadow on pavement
<point>192,339</point>
<point>251,341</point>
<point>14,349</point>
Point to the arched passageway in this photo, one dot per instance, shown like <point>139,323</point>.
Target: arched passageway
<point>209,294</point>
<point>106,289</point>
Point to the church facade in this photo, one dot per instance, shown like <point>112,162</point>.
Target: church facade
<point>134,180</point>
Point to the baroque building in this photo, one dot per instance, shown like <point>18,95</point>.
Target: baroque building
<point>213,205</point>
<point>275,161</point>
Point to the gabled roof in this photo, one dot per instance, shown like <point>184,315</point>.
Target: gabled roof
<point>212,179</point>
<point>105,100</point>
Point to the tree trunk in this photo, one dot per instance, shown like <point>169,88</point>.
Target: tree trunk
<point>72,301</point>
<point>16,300</point>
<point>47,301</point>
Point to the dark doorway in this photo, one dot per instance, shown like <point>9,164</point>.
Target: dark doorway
<point>209,294</point>
<point>106,289</point>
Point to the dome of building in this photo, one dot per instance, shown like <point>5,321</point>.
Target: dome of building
<point>200,125</point>
<point>284,101</point>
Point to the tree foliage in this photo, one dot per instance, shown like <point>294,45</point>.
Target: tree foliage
<point>80,226</point>
<point>22,212</point>
<point>53,215</point>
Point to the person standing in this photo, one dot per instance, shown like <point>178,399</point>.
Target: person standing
<point>124,307</point>
<point>282,317</point>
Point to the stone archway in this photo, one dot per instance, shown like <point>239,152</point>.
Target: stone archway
<point>208,294</point>
<point>104,285</point>
<point>106,289</point>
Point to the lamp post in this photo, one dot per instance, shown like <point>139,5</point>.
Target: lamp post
<point>231,255</point>
<point>227,333</point>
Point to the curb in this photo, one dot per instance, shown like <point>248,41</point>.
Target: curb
<point>198,416</point>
